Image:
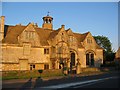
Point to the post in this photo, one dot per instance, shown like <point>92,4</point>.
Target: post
<point>68,65</point>
<point>65,68</point>
<point>78,68</point>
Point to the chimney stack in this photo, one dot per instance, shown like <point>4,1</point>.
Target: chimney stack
<point>63,26</point>
<point>2,21</point>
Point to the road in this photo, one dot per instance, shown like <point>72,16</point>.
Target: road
<point>109,80</point>
<point>105,83</point>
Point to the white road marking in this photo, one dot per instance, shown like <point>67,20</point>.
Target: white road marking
<point>87,84</point>
<point>76,83</point>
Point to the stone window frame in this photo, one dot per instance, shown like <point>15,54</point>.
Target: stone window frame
<point>29,34</point>
<point>32,66</point>
<point>89,40</point>
<point>46,66</point>
<point>71,39</point>
<point>46,50</point>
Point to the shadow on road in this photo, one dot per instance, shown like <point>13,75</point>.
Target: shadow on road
<point>27,85</point>
<point>38,82</point>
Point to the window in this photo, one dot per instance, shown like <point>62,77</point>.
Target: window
<point>46,66</point>
<point>32,66</point>
<point>89,40</point>
<point>87,59</point>
<point>71,39</point>
<point>29,34</point>
<point>73,59</point>
<point>46,51</point>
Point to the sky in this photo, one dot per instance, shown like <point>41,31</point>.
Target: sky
<point>100,18</point>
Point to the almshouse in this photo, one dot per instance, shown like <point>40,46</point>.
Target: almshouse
<point>31,47</point>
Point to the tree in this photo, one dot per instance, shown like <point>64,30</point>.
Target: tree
<point>105,43</point>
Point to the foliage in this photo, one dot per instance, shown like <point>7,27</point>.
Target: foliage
<point>105,43</point>
<point>40,71</point>
<point>65,68</point>
<point>109,64</point>
<point>28,74</point>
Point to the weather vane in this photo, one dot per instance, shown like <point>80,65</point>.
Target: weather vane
<point>48,13</point>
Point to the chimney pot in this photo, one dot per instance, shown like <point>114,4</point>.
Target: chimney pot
<point>62,26</point>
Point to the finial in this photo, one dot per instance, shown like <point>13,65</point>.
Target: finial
<point>48,13</point>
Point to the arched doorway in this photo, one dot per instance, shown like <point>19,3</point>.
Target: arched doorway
<point>72,63</point>
<point>73,59</point>
<point>90,59</point>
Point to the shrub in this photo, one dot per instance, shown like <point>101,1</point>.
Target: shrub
<point>109,64</point>
<point>32,73</point>
<point>40,71</point>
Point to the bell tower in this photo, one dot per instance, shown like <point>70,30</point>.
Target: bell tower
<point>47,22</point>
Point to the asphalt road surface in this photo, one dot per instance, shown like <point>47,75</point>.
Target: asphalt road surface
<point>109,80</point>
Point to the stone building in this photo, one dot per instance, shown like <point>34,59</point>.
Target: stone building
<point>117,55</point>
<point>31,47</point>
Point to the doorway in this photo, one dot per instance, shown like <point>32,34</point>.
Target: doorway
<point>72,63</point>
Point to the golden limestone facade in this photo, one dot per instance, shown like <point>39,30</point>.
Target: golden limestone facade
<point>32,48</point>
<point>117,55</point>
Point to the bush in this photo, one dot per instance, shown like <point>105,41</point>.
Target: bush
<point>32,73</point>
<point>65,68</point>
<point>109,64</point>
<point>40,71</point>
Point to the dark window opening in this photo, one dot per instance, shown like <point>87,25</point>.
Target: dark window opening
<point>46,66</point>
<point>87,59</point>
<point>73,59</point>
<point>92,59</point>
<point>32,66</point>
<point>46,51</point>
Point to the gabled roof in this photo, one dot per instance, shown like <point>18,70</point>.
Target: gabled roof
<point>53,34</point>
<point>98,47</point>
<point>12,33</point>
<point>44,35</point>
<point>81,37</point>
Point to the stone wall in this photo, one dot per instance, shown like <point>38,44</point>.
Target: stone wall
<point>29,35</point>
<point>99,57</point>
<point>82,57</point>
<point>14,56</point>
<point>9,67</point>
